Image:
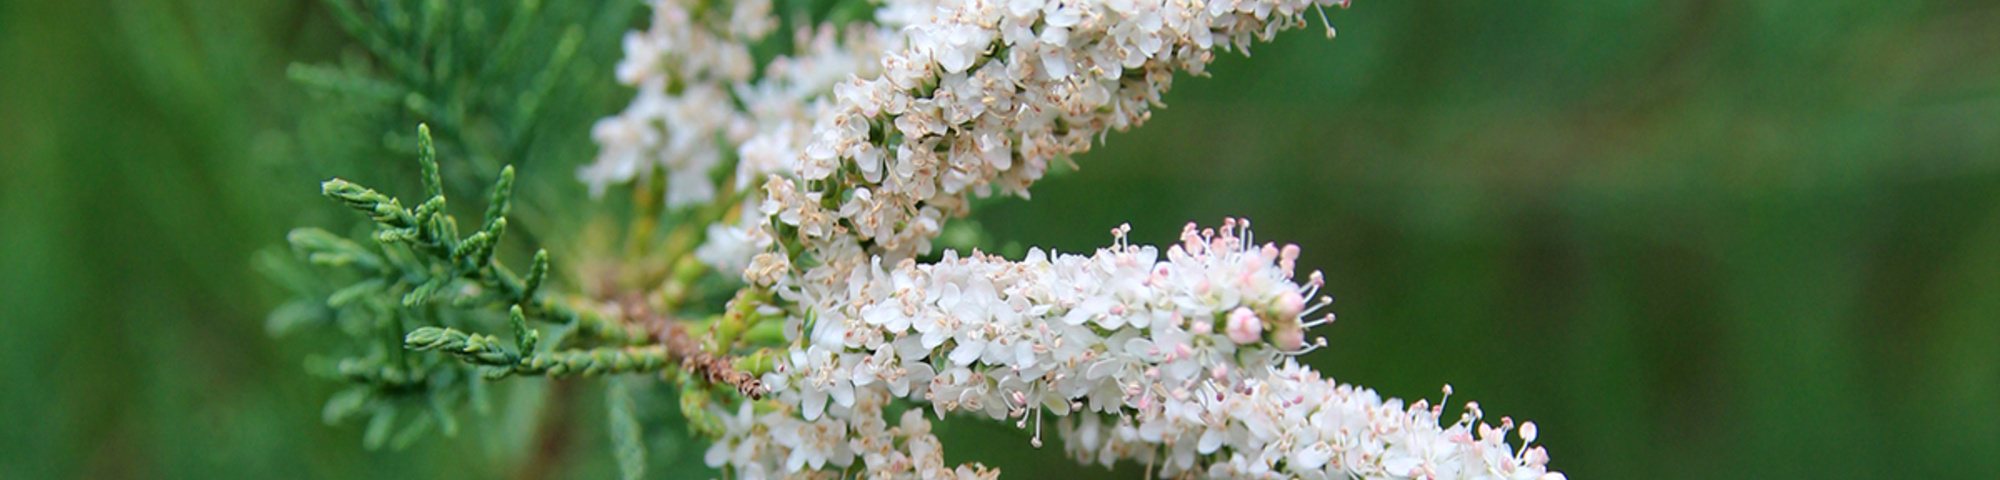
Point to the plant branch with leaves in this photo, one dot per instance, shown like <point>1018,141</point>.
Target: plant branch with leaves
<point>777,278</point>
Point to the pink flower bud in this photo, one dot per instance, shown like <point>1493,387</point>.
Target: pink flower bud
<point>1290,304</point>
<point>1289,337</point>
<point>1244,326</point>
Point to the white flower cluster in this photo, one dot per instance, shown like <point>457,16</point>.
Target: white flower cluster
<point>1180,362</point>
<point>1290,423</point>
<point>777,444</point>
<point>682,65</point>
<point>701,100</point>
<point>981,333</point>
<point>870,136</point>
<point>984,94</point>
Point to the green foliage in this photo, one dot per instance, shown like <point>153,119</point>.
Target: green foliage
<point>490,351</point>
<point>415,274</point>
<point>496,84</point>
<point>626,444</point>
<point>501,83</point>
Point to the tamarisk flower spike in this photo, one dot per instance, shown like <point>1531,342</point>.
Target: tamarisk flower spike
<point>1120,346</point>
<point>981,96</point>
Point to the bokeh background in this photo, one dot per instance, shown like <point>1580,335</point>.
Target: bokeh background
<point>1693,239</point>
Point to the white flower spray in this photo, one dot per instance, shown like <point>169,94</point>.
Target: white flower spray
<point>871,135</point>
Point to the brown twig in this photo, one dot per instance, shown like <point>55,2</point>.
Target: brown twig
<point>711,367</point>
<point>683,348</point>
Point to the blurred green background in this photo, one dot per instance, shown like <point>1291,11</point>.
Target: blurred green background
<point>1696,239</point>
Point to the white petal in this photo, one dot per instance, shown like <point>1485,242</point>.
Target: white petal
<point>1210,441</point>
<point>967,352</point>
<point>815,402</point>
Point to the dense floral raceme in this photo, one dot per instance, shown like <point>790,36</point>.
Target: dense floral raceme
<point>1179,359</point>
<point>864,139</point>
<point>984,95</point>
